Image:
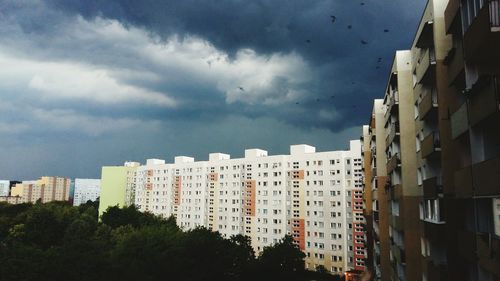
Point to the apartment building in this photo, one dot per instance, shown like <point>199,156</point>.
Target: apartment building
<point>86,190</point>
<point>117,186</point>
<point>11,199</point>
<point>432,128</point>
<point>376,193</point>
<point>45,189</point>
<point>4,188</point>
<point>314,196</point>
<point>473,187</point>
<point>404,193</point>
<point>454,64</point>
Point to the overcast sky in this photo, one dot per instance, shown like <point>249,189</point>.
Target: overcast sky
<point>87,83</point>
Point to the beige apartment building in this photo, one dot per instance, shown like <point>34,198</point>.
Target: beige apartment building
<point>45,189</point>
<point>376,193</point>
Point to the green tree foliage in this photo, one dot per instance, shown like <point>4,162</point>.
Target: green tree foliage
<point>55,241</point>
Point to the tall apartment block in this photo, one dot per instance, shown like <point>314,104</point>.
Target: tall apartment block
<point>452,166</point>
<point>316,197</point>
<point>86,190</point>
<point>472,189</point>
<point>376,193</point>
<point>45,189</point>
<point>117,186</point>
<point>404,195</point>
<point>4,188</point>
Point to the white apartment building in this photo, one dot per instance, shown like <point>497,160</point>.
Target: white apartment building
<point>4,188</point>
<point>307,194</point>
<point>85,190</point>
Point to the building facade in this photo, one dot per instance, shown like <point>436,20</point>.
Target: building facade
<point>4,188</point>
<point>316,197</point>
<point>117,186</point>
<point>86,190</point>
<point>45,189</point>
<point>443,188</point>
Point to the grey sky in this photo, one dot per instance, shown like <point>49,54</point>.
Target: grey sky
<point>86,83</point>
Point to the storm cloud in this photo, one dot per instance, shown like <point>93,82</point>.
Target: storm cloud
<point>95,82</point>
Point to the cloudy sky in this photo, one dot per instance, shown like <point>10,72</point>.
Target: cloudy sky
<point>87,83</point>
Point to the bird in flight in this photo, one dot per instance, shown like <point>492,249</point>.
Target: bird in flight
<point>386,30</point>
<point>334,18</point>
<point>349,26</point>
<point>241,88</point>
<point>362,3</point>
<point>364,42</point>
<point>308,41</point>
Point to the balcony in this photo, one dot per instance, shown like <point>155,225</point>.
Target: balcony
<point>426,37</point>
<point>428,104</point>
<point>432,187</point>
<point>396,222</point>
<point>396,192</point>
<point>392,103</point>
<point>435,232</point>
<point>484,99</point>
<point>482,37</point>
<point>393,163</point>
<point>488,252</point>
<point>431,145</point>
<point>393,132</point>
<point>451,14</point>
<point>459,121</point>
<point>463,183</point>
<point>455,63</point>
<point>435,271</point>
<point>486,177</point>
<point>467,245</point>
<point>426,66</point>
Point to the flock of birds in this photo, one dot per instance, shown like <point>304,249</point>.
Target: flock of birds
<point>363,42</point>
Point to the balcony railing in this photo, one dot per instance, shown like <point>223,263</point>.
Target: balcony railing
<point>455,62</point>
<point>463,183</point>
<point>429,103</point>
<point>393,131</point>
<point>426,63</point>
<point>430,145</point>
<point>393,163</point>
<point>484,99</point>
<point>459,121</point>
<point>488,251</point>
<point>467,245</point>
<point>396,192</point>
<point>432,187</point>
<point>486,177</point>
<point>426,37</point>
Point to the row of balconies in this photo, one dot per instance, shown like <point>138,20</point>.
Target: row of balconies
<point>481,179</point>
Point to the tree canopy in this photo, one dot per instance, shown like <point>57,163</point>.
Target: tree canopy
<point>55,241</point>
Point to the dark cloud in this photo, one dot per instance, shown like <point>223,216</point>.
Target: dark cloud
<point>341,76</point>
